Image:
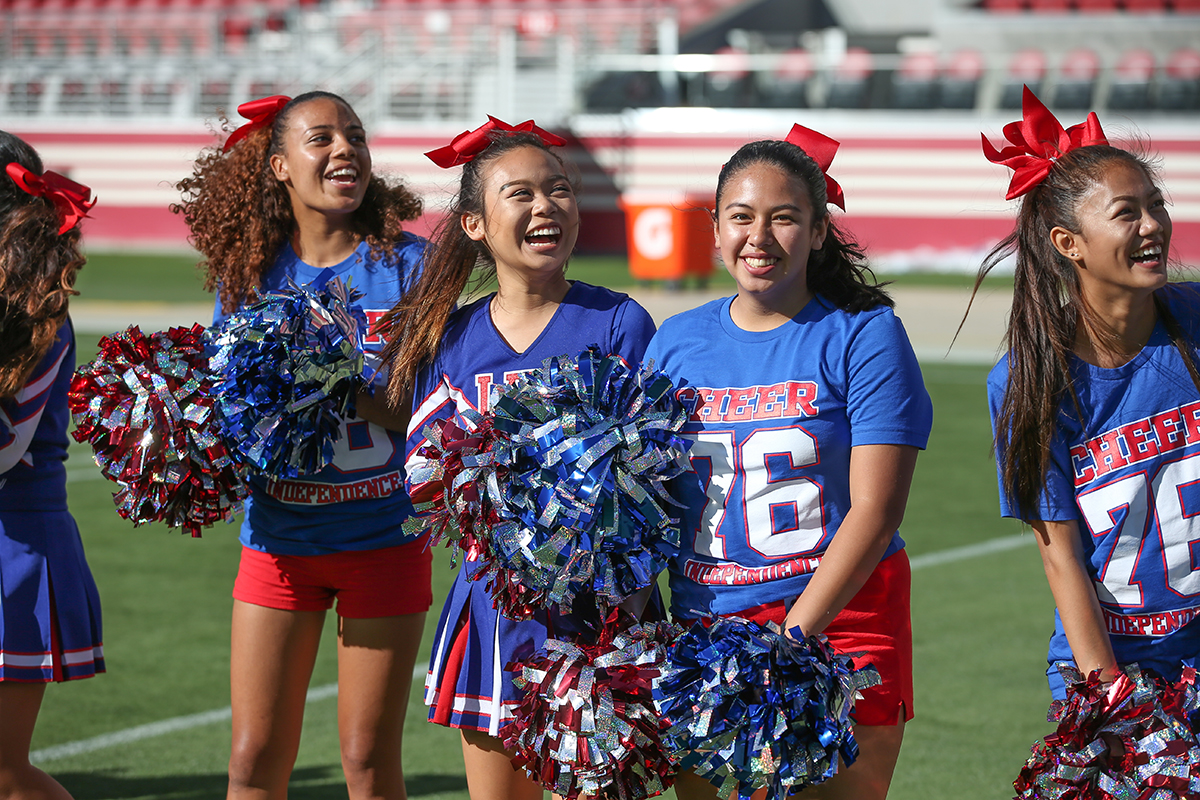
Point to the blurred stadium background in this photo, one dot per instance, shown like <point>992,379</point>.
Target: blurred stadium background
<point>654,95</point>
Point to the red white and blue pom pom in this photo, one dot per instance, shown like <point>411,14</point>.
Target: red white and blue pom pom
<point>574,479</point>
<point>450,480</point>
<point>750,708</point>
<point>586,725</point>
<point>290,366</point>
<point>1146,714</point>
<point>145,404</point>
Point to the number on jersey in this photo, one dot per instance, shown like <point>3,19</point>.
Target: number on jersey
<point>781,507</point>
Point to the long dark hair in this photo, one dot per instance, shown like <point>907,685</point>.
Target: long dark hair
<point>414,326</point>
<point>1047,310</point>
<point>37,270</point>
<point>838,271</point>
<point>240,215</point>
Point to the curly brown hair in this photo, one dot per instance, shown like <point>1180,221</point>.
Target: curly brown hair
<point>239,214</point>
<point>37,270</point>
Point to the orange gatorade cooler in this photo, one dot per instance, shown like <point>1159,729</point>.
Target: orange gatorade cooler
<point>669,238</point>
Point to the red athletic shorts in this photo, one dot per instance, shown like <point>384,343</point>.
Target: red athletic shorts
<point>876,623</point>
<point>367,583</point>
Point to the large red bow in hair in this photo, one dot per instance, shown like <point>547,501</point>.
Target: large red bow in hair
<point>469,144</point>
<point>821,149</point>
<point>72,200</point>
<point>261,113</point>
<point>1039,141</point>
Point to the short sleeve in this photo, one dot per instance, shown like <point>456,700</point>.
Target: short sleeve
<point>633,328</point>
<point>411,250</point>
<point>886,400</point>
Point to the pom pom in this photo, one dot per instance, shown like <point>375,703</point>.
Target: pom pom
<point>450,485</point>
<point>573,483</point>
<point>1147,715</point>
<point>750,708</point>
<point>145,404</point>
<point>290,366</point>
<point>586,724</point>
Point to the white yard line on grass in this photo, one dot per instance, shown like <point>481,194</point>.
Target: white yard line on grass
<point>153,729</point>
<point>87,473</point>
<point>174,724</point>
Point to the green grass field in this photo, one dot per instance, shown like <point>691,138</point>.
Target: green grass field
<point>980,624</point>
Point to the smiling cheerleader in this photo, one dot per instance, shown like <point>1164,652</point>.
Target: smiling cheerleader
<point>291,198</point>
<point>515,214</point>
<point>1094,405</point>
<point>810,411</point>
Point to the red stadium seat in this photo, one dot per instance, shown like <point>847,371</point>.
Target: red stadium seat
<point>1145,6</point>
<point>914,84</point>
<point>848,88</point>
<point>1186,6</point>
<point>1131,80</point>
<point>1184,64</point>
<point>964,65</point>
<point>1004,6</point>
<point>786,86</point>
<point>1049,6</point>
<point>25,96</point>
<point>1080,64</point>
<point>960,79</point>
<point>730,84</point>
<point>1076,79</point>
<point>235,32</point>
<point>1135,65</point>
<point>1025,68</point>
<point>74,97</point>
<point>1179,89</point>
<point>1096,6</point>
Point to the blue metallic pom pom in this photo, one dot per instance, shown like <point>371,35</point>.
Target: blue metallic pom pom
<point>749,707</point>
<point>290,366</point>
<point>573,499</point>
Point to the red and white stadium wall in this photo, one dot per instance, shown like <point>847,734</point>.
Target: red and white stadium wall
<point>919,193</point>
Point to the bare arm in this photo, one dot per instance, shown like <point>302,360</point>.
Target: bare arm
<point>1075,596</point>
<point>880,477</point>
<point>375,408</point>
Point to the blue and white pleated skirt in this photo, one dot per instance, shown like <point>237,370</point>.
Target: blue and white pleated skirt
<point>49,608</point>
<point>467,685</point>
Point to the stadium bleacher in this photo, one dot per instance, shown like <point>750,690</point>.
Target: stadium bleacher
<point>447,59</point>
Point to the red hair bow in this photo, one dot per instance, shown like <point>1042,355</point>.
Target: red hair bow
<point>72,200</point>
<point>469,144</point>
<point>1039,140</point>
<point>821,149</point>
<point>261,113</point>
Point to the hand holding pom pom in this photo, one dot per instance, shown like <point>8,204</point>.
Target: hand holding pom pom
<point>560,490</point>
<point>586,725</point>
<point>749,707</point>
<point>1149,718</point>
<point>290,366</point>
<point>145,404</point>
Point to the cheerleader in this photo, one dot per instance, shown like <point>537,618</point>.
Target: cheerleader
<point>49,607</point>
<point>290,196</point>
<point>1094,405</point>
<point>516,216</point>
<point>809,413</point>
